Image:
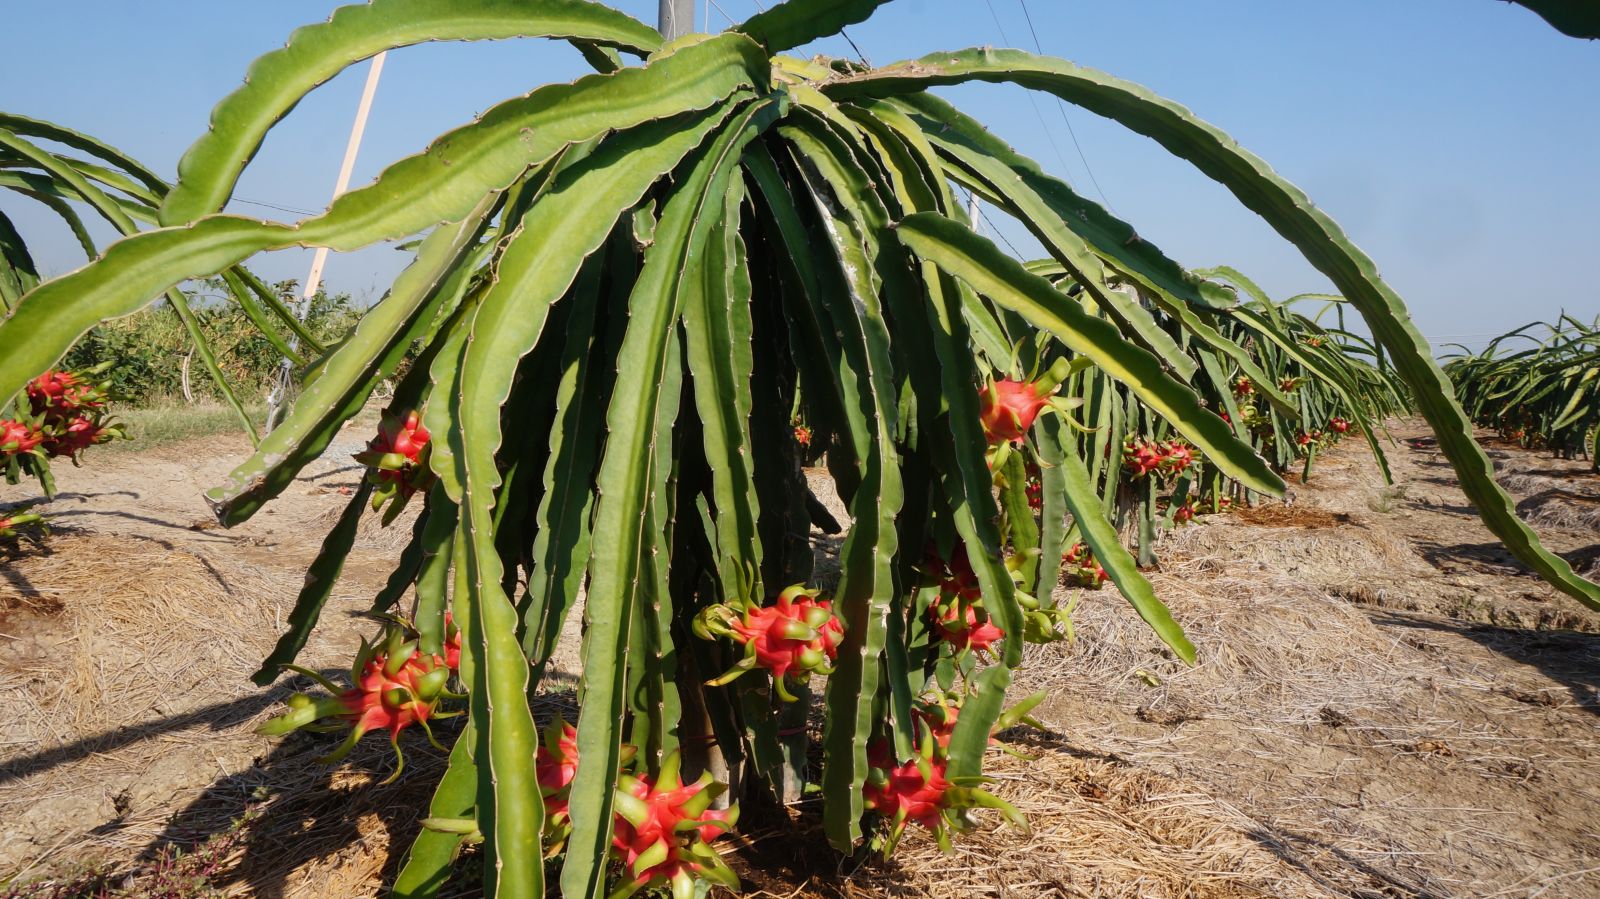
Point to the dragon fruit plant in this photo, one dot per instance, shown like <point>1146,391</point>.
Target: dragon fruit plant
<point>1540,395</point>
<point>623,290</point>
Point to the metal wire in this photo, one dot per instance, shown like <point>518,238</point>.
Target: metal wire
<point>1062,108</point>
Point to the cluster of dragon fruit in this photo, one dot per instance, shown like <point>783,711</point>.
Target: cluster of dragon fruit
<point>394,683</point>
<point>67,413</point>
<point>921,790</point>
<point>1306,442</point>
<point>663,827</point>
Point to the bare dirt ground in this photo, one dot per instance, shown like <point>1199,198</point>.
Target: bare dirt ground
<point>1385,706</point>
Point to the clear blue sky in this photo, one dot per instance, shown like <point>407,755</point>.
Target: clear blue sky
<point>1456,140</point>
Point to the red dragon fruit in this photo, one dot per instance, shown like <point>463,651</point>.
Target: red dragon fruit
<point>1290,385</point>
<point>1243,387</point>
<point>17,437</point>
<point>1034,487</point>
<point>802,435</point>
<point>1185,513</point>
<point>396,685</point>
<point>1338,425</point>
<point>1008,407</point>
<point>921,791</point>
<point>1082,569</point>
<point>956,578</point>
<point>664,828</point>
<point>797,636</point>
<point>62,393</point>
<point>936,716</point>
<point>1142,457</point>
<point>397,461</point>
<point>1177,456</point>
<point>452,643</point>
<point>77,435</point>
<point>958,624</point>
<point>915,791</point>
<point>555,767</point>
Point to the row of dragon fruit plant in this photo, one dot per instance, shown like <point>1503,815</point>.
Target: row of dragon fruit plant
<point>626,285</point>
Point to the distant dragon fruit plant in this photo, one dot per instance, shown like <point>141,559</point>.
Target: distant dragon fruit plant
<point>626,292</point>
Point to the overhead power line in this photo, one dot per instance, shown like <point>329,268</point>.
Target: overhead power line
<point>1062,108</point>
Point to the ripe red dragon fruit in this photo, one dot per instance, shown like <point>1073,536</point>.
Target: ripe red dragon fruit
<point>77,435</point>
<point>938,716</point>
<point>958,623</point>
<point>1082,569</point>
<point>452,643</point>
<point>1008,407</point>
<point>395,685</point>
<point>664,828</point>
<point>1338,425</point>
<point>1243,387</point>
<point>17,437</point>
<point>1289,385</point>
<point>555,765</point>
<point>802,435</point>
<point>1142,457</point>
<point>63,393</point>
<point>914,791</point>
<point>1034,487</point>
<point>397,460</point>
<point>1177,456</point>
<point>921,791</point>
<point>797,636</point>
<point>956,578</point>
<point>1185,513</point>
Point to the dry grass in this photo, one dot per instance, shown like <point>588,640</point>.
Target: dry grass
<point>1097,828</point>
<point>1560,508</point>
<point>129,666</point>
